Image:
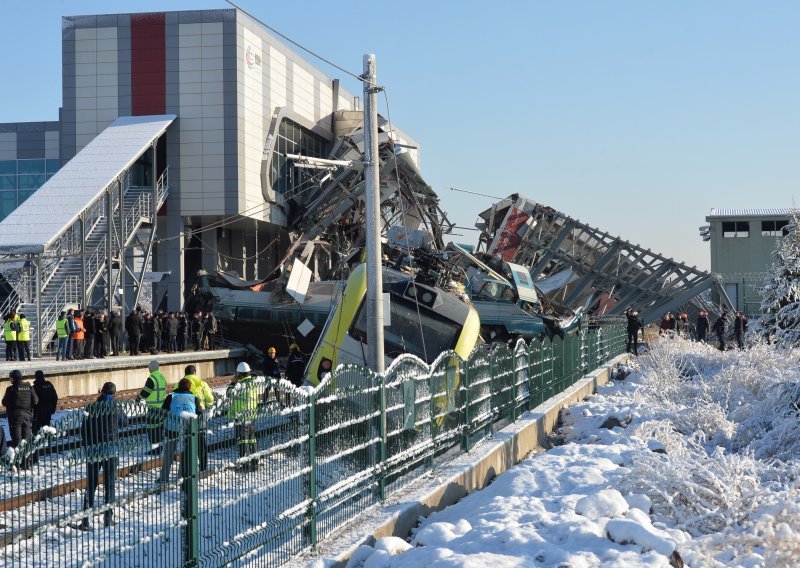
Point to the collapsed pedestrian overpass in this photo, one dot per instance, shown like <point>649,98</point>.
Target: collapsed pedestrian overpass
<point>74,238</point>
<point>580,265</point>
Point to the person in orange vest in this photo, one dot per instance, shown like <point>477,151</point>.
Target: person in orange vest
<point>79,336</point>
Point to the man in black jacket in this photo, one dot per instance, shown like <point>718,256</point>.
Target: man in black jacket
<point>48,400</point>
<point>634,323</point>
<point>115,329</point>
<point>99,433</point>
<point>91,330</point>
<point>20,401</point>
<point>133,325</point>
<point>172,332</point>
<point>719,329</point>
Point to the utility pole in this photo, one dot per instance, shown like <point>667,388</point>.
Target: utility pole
<point>373,205</point>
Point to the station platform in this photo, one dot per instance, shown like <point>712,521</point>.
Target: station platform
<point>85,377</point>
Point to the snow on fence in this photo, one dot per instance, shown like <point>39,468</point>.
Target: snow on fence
<point>317,458</point>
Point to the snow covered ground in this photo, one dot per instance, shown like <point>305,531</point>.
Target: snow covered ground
<point>692,458</point>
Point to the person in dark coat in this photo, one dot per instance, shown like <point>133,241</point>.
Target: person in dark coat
<point>739,328</point>
<point>197,330</point>
<point>634,323</point>
<point>133,325</point>
<point>295,365</point>
<point>101,342</point>
<point>20,401</point>
<point>48,400</point>
<point>99,433</point>
<point>91,331</point>
<point>325,367</point>
<point>719,329</point>
<point>155,331</point>
<point>115,328</point>
<point>172,332</point>
<point>702,326</point>
<point>272,367</point>
<point>183,332</point>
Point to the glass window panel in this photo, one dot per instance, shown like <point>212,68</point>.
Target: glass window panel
<point>31,181</point>
<point>8,182</point>
<point>8,202</point>
<point>23,195</point>
<point>52,166</point>
<point>31,166</point>
<point>8,167</point>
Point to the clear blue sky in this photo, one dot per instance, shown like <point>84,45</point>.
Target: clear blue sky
<point>636,117</point>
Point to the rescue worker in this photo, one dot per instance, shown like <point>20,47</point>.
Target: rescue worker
<point>24,338</point>
<point>176,404</point>
<point>99,433</point>
<point>154,393</point>
<point>272,367</point>
<point>205,395</point>
<point>684,327</point>
<point>20,401</point>
<point>243,396</point>
<point>71,332</point>
<point>295,365</point>
<point>78,337</point>
<point>702,326</point>
<point>48,400</point>
<point>62,332</point>
<point>633,331</point>
<point>10,336</point>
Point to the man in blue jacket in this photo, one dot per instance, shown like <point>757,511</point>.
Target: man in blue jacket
<point>181,404</point>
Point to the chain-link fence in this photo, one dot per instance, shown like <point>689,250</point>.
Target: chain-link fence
<point>269,470</point>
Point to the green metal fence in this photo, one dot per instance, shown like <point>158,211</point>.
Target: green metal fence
<point>318,458</point>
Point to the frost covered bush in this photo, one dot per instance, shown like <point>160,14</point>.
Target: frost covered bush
<point>780,293</point>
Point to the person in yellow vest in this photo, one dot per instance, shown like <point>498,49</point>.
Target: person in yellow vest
<point>10,336</point>
<point>24,338</point>
<point>154,393</point>
<point>62,332</point>
<point>242,394</point>
<point>205,395</point>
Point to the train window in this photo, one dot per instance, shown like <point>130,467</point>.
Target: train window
<point>404,335</point>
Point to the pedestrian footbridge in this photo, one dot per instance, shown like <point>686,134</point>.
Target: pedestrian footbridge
<point>66,244</point>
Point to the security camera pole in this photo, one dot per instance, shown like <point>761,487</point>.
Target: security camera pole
<point>373,214</point>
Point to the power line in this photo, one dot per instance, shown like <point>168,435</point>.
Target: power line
<point>476,193</point>
<point>304,48</point>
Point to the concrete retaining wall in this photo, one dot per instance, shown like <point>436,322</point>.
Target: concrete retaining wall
<point>78,378</point>
<point>508,447</point>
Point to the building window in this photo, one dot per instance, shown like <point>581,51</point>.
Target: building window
<point>294,139</point>
<point>735,229</point>
<point>773,228</point>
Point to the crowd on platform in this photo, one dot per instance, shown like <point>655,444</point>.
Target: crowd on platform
<point>90,334</point>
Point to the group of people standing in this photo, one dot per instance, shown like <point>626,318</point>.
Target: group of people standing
<point>17,335</point>
<point>699,332</point>
<point>170,332</point>
<point>83,334</point>
<point>29,408</point>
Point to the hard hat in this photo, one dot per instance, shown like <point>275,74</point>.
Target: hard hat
<point>294,346</point>
<point>272,350</point>
<point>243,367</point>
<point>154,366</point>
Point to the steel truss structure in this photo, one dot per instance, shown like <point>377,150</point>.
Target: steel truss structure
<point>580,265</point>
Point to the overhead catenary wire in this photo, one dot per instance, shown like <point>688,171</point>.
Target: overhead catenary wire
<point>301,46</point>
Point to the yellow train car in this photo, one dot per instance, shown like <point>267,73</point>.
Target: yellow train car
<point>425,321</point>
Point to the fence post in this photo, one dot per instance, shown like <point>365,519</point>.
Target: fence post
<point>465,441</point>
<point>189,493</point>
<point>382,426</point>
<point>531,388</point>
<point>514,384</point>
<point>432,409</point>
<point>312,476</point>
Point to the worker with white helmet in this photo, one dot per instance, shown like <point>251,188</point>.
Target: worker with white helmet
<point>243,396</point>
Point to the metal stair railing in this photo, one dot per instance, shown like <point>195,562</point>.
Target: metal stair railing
<point>59,283</point>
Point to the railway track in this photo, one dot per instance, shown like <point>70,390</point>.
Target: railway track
<point>72,402</point>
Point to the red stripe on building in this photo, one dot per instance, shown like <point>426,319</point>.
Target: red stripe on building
<point>148,64</point>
